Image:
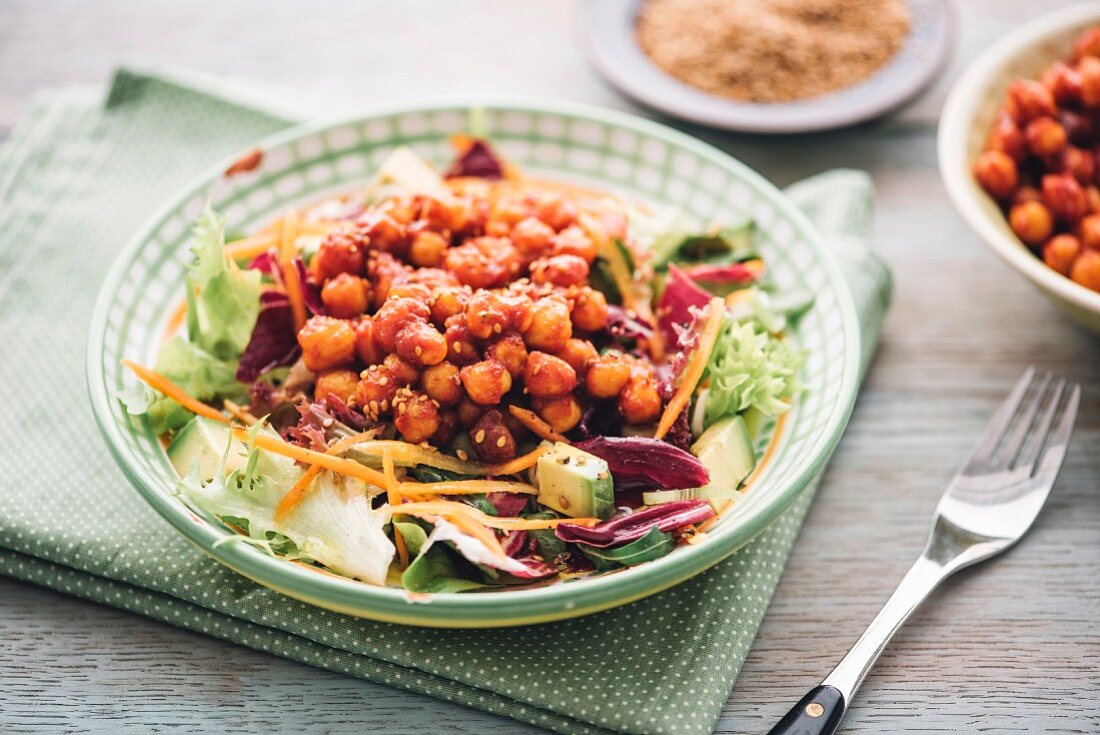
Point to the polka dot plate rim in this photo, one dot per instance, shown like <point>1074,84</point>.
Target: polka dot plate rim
<point>552,139</point>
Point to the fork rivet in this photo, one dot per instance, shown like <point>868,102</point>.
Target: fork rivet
<point>813,709</point>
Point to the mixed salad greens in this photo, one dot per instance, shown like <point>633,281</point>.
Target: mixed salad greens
<point>469,380</point>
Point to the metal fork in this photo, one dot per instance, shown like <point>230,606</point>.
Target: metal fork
<point>987,507</point>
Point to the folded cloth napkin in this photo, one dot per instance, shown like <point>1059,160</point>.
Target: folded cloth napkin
<point>77,177</point>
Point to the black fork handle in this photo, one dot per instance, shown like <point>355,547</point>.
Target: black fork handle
<point>818,713</point>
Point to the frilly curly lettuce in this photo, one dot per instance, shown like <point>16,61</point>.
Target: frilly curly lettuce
<point>749,368</point>
<point>223,303</point>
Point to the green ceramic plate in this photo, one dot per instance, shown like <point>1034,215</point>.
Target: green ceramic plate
<point>552,140</point>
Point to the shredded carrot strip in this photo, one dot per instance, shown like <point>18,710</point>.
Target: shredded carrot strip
<point>339,465</point>
<point>271,237</point>
<point>465,487</point>
<point>480,532</point>
<point>173,391</point>
<point>693,371</point>
<point>240,413</point>
<point>175,319</point>
<point>538,427</point>
<point>736,297</point>
<point>288,252</point>
<point>298,490</point>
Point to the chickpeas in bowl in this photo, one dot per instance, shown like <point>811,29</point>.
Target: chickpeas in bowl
<point>1041,162</point>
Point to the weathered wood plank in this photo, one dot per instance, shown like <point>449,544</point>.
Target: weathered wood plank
<point>1012,646</point>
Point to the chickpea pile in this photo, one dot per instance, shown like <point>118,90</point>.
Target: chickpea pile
<point>1042,162</point>
<point>443,311</point>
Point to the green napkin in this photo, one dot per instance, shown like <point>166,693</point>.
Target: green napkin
<point>77,177</point>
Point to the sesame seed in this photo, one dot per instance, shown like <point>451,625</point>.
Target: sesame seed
<point>461,454</point>
<point>501,442</point>
<point>479,437</point>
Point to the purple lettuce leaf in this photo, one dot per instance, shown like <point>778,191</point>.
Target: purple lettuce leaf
<point>478,160</point>
<point>508,505</point>
<point>342,412</point>
<point>626,324</point>
<point>266,262</point>
<point>627,527</point>
<point>681,301</point>
<point>311,292</point>
<point>273,342</point>
<point>637,461</point>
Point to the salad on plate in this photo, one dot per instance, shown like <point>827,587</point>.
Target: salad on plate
<point>471,379</point>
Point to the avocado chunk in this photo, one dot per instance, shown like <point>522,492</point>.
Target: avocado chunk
<point>726,450</point>
<point>575,483</point>
<point>205,440</point>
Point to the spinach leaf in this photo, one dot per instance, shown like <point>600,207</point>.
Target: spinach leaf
<point>653,545</point>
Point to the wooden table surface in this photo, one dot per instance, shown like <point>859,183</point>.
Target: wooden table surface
<point>1012,646</point>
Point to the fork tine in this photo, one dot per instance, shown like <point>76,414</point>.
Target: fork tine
<point>1021,427</point>
<point>1056,447</point>
<point>1000,421</point>
<point>1030,452</point>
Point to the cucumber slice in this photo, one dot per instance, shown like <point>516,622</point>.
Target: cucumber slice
<point>710,492</point>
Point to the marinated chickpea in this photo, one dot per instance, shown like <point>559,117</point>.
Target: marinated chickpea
<point>441,383</point>
<point>340,383</point>
<point>421,343</point>
<point>394,316</point>
<point>1063,82</point>
<point>1060,252</point>
<point>376,390</point>
<point>1045,137</point>
<point>556,211</point>
<point>448,301</point>
<point>589,310</point>
<point>575,241</point>
<point>509,212</point>
<point>383,271</point>
<point>560,270</point>
<point>1064,197</point>
<point>1087,44</point>
<point>402,371</point>
<point>483,262</point>
<point>607,376</point>
<point>415,415</point>
<point>345,296</point>
<point>1031,222</point>
<point>427,249</point>
<point>469,412</point>
<point>531,236</point>
<point>1086,269</point>
<point>550,327</point>
<point>448,427</point>
<point>1030,100</point>
<point>340,252</point>
<point>546,375</point>
<point>563,413</point>
<point>639,402</point>
<point>439,215</point>
<point>579,353</point>
<point>1089,70</point>
<point>461,349</point>
<point>365,346</point>
<point>411,290</point>
<point>1092,198</point>
<point>327,343</point>
<point>489,313</point>
<point>385,233</point>
<point>997,174</point>
<point>1089,231</point>
<point>1079,164</point>
<point>509,350</point>
<point>1026,194</point>
<point>1007,138</point>
<point>491,439</point>
<point>486,382</point>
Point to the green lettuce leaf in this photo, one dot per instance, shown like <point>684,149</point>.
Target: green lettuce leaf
<point>749,368</point>
<point>199,373</point>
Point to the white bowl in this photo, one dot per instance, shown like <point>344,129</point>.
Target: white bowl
<point>967,116</point>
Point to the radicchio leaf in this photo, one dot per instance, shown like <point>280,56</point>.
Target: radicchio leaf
<point>478,160</point>
<point>311,292</point>
<point>626,324</point>
<point>682,297</point>
<point>508,505</point>
<point>273,342</point>
<point>637,461</point>
<point>724,273</point>
<point>266,262</point>
<point>622,529</point>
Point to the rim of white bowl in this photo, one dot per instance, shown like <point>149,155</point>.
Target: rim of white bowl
<point>956,123</point>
